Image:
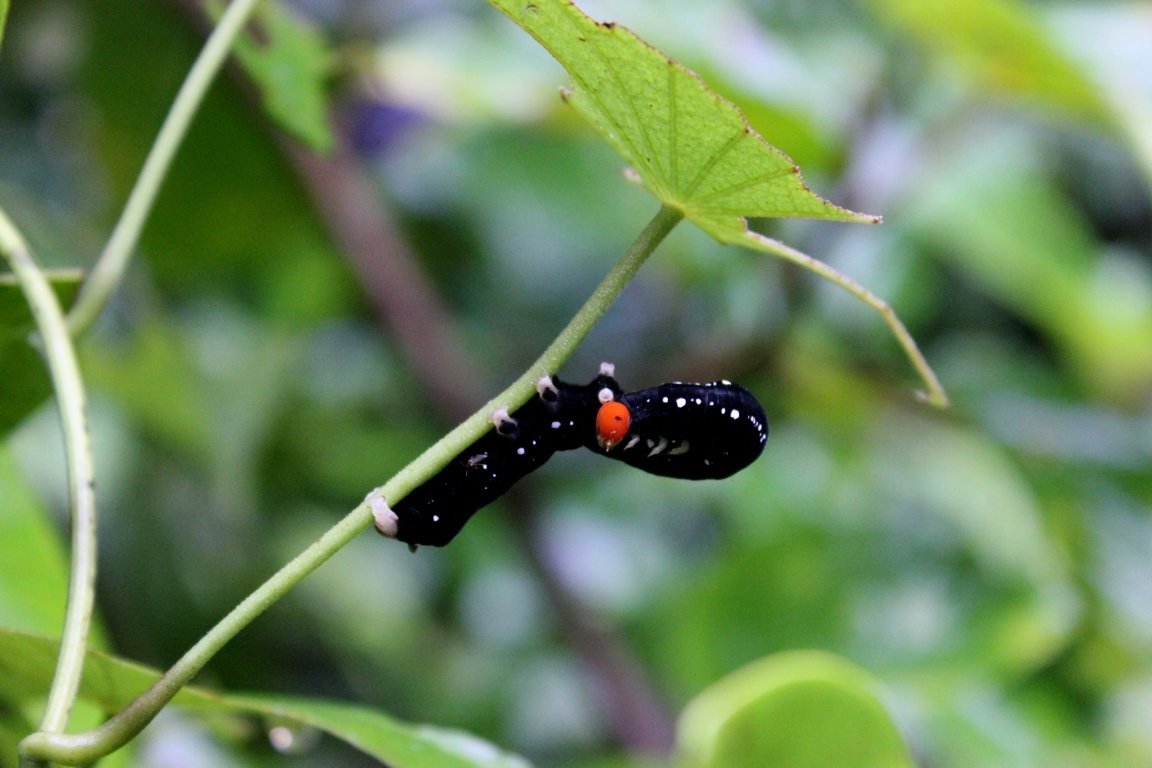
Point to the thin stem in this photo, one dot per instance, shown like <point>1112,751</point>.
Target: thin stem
<point>109,269</point>
<point>935,393</point>
<point>69,387</point>
<point>77,749</point>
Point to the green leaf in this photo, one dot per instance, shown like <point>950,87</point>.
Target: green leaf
<point>690,147</point>
<point>1002,46</point>
<point>802,709</point>
<point>3,19</point>
<point>399,744</point>
<point>290,64</point>
<point>27,661</point>
<point>1035,252</point>
<point>25,383</point>
<point>33,566</point>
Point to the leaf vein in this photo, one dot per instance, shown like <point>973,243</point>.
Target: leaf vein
<point>713,160</point>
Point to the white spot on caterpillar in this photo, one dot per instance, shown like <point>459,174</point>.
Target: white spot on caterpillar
<point>632,442</point>
<point>664,399</point>
<point>555,425</point>
<point>681,402</point>
<point>735,414</point>
<point>435,518</point>
<point>520,451</point>
<point>679,450</point>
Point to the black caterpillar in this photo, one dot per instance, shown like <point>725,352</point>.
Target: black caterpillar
<point>689,431</point>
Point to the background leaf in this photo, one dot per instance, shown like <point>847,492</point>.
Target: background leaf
<point>3,19</point>
<point>33,565</point>
<point>290,63</point>
<point>1001,45</point>
<point>803,710</point>
<point>25,383</point>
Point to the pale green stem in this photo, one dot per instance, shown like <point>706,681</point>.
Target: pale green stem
<point>69,387</point>
<point>935,393</point>
<point>80,748</point>
<point>109,269</point>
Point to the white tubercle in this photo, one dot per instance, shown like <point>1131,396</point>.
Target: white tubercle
<point>607,369</point>
<point>545,384</point>
<point>605,396</point>
<point>386,520</point>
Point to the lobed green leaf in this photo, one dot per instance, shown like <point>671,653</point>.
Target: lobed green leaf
<point>691,148</point>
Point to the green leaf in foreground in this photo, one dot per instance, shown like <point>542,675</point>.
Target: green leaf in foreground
<point>689,146</point>
<point>24,384</point>
<point>27,662</point>
<point>804,709</point>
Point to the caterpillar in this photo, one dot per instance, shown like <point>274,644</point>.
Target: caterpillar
<point>683,430</point>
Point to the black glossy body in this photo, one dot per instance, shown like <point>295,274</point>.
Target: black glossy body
<point>688,431</point>
<point>692,431</point>
<point>435,512</point>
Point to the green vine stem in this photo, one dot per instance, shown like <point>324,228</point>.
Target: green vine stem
<point>109,269</point>
<point>81,748</point>
<point>65,373</point>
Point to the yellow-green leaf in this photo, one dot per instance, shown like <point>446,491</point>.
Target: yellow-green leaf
<point>3,18</point>
<point>1001,45</point>
<point>803,709</point>
<point>692,149</point>
<point>290,64</point>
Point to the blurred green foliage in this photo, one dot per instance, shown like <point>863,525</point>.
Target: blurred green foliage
<point>989,566</point>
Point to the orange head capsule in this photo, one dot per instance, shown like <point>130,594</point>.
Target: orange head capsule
<point>612,422</point>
